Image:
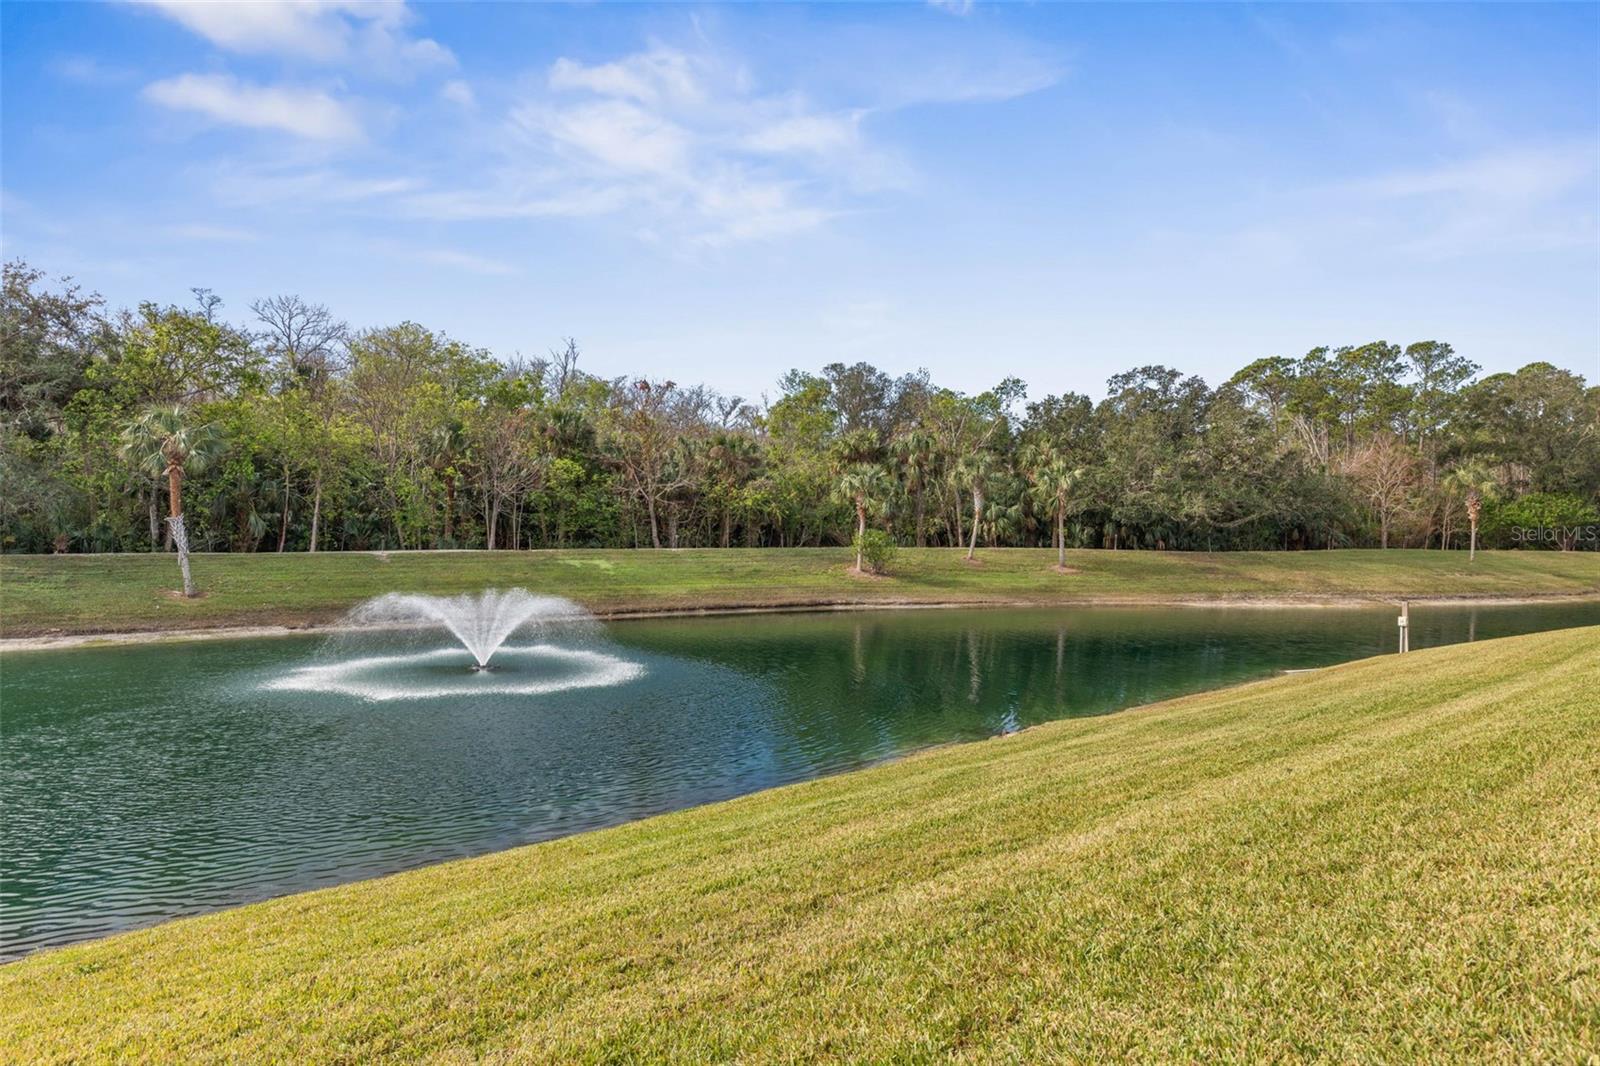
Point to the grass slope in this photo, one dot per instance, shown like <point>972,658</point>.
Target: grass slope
<point>1395,859</point>
<point>105,593</point>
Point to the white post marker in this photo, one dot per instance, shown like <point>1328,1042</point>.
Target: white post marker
<point>1405,626</point>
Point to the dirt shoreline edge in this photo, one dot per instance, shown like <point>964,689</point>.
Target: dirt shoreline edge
<point>110,638</point>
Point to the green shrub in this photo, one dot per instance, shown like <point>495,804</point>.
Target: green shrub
<point>1547,520</point>
<point>876,549</point>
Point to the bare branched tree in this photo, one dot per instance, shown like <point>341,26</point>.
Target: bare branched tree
<point>1387,472</point>
<point>208,301</point>
<point>305,342</point>
<point>564,366</point>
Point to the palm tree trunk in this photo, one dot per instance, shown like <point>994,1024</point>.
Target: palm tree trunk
<point>180,537</point>
<point>174,490</point>
<point>1061,533</point>
<point>861,529</point>
<point>283,524</point>
<point>1474,503</point>
<point>174,502</point>
<point>977,514</point>
<point>922,540</point>
<point>316,512</point>
<point>449,508</point>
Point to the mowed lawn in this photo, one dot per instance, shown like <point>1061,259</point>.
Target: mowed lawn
<point>110,593</point>
<point>1396,859</point>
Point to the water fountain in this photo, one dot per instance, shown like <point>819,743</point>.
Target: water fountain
<point>360,661</point>
<point>482,623</point>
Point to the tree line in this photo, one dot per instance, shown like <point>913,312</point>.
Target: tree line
<point>295,432</point>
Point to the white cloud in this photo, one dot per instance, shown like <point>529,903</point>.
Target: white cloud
<point>456,260</point>
<point>682,146</point>
<point>1513,175</point>
<point>86,70</point>
<point>303,112</point>
<point>659,77</point>
<point>512,199</point>
<point>818,134</point>
<point>1516,198</point>
<point>612,133</point>
<point>459,93</point>
<point>244,186</point>
<point>954,7</point>
<point>373,33</point>
<point>684,140</point>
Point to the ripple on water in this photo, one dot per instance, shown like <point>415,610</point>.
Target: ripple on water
<point>419,676</point>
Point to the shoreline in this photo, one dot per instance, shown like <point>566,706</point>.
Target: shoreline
<point>115,638</point>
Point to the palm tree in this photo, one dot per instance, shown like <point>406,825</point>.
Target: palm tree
<point>916,452</point>
<point>977,470</point>
<point>733,459</point>
<point>165,442</point>
<point>1474,480</point>
<point>444,449</point>
<point>859,486</point>
<point>1053,480</point>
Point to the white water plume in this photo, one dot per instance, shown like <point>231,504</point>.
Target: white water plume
<point>382,677</point>
<point>482,623</point>
<point>388,649</point>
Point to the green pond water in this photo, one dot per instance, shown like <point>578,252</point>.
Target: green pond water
<point>145,782</point>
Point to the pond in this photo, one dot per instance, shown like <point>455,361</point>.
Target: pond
<point>139,783</point>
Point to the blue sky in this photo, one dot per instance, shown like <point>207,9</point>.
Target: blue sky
<point>720,193</point>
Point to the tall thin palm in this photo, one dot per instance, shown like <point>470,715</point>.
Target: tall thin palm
<point>1054,478</point>
<point>860,486</point>
<point>1476,482</point>
<point>166,442</point>
<point>977,470</point>
<point>733,459</point>
<point>444,448</point>
<point>916,452</point>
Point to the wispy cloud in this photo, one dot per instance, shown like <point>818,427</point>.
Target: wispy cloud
<point>1516,175</point>
<point>248,186</point>
<point>373,33</point>
<point>459,93</point>
<point>684,146</point>
<point>685,140</point>
<point>308,113</point>
<point>87,70</point>
<point>195,231</point>
<point>458,260</point>
<point>1515,198</point>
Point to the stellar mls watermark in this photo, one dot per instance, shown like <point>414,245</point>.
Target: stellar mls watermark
<point>1564,535</point>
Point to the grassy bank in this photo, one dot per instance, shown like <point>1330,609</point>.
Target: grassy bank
<point>114,593</point>
<point>1392,859</point>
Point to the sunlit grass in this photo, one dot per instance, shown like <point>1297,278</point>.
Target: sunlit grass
<point>1396,859</point>
<point>103,593</point>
